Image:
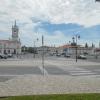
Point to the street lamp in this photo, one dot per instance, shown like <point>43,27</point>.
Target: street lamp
<point>43,54</point>
<point>34,46</point>
<point>76,37</point>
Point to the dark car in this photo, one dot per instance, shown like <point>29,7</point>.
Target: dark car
<point>3,56</point>
<point>63,53</point>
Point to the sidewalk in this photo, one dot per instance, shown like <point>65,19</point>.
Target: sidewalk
<point>19,62</point>
<point>31,84</point>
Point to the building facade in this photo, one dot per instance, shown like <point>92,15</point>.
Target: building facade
<point>69,49</point>
<point>13,45</point>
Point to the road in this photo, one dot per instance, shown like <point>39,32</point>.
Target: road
<point>24,76</point>
<point>12,68</point>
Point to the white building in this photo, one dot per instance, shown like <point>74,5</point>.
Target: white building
<point>13,45</point>
<point>68,49</point>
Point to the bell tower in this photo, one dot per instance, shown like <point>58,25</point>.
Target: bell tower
<point>15,31</point>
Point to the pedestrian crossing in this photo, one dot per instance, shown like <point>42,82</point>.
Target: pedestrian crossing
<point>48,70</point>
<point>70,71</point>
<point>81,72</point>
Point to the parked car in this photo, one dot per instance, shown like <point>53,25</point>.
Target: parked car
<point>63,53</point>
<point>9,55</point>
<point>82,57</point>
<point>67,55</point>
<point>85,53</point>
<point>58,55</point>
<point>3,56</point>
<point>51,54</point>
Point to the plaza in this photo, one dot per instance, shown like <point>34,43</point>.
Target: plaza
<point>26,76</point>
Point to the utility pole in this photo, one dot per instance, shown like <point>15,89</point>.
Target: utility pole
<point>43,53</point>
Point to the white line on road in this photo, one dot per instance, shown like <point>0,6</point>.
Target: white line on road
<point>11,75</point>
<point>83,73</point>
<point>43,70</point>
<point>15,75</point>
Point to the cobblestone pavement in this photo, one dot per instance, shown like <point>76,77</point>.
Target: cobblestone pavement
<point>25,77</point>
<point>31,84</point>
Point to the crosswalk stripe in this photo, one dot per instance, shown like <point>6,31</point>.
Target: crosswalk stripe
<point>11,75</point>
<point>45,72</point>
<point>82,71</point>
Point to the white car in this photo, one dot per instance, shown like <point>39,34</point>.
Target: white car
<point>82,57</point>
<point>9,55</point>
<point>68,56</point>
<point>58,55</point>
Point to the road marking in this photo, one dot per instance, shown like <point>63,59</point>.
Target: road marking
<point>43,70</point>
<point>11,75</point>
<point>80,71</point>
<point>16,75</point>
<point>83,73</point>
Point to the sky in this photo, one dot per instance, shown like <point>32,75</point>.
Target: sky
<point>57,20</point>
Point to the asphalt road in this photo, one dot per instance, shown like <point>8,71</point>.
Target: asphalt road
<point>39,56</point>
<point>8,72</point>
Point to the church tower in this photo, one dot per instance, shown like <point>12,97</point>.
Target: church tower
<point>15,31</point>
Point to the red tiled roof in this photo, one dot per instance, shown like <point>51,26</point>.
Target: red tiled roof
<point>97,49</point>
<point>67,46</point>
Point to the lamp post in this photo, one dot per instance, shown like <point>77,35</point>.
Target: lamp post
<point>76,37</point>
<point>43,54</point>
<point>69,50</point>
<point>35,46</point>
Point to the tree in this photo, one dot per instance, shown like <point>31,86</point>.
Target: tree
<point>24,48</point>
<point>93,45</point>
<point>86,45</point>
<point>30,49</point>
<point>97,0</point>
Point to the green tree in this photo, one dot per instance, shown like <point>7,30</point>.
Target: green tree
<point>86,45</point>
<point>93,45</point>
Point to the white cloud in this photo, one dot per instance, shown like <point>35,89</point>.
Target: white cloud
<point>84,12</point>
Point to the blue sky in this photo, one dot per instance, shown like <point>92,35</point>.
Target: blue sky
<point>57,20</point>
